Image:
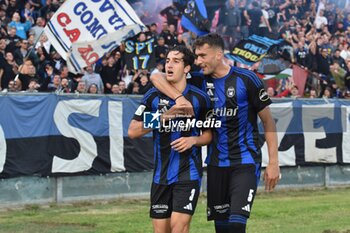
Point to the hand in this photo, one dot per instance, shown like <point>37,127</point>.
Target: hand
<point>49,71</point>
<point>182,144</point>
<point>186,105</point>
<point>271,176</point>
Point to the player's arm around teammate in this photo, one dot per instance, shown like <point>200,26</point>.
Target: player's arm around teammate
<point>160,82</point>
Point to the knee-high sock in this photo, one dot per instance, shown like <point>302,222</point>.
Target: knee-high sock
<point>222,226</point>
<point>237,223</point>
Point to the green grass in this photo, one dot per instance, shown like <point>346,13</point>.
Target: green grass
<point>306,211</point>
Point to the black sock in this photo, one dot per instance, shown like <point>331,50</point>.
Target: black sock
<point>236,227</point>
<point>237,223</point>
<point>222,226</point>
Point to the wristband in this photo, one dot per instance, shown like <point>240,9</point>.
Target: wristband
<point>178,97</point>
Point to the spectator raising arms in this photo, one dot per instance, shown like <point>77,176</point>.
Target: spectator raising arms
<point>21,28</point>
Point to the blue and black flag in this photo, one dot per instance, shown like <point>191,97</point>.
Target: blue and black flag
<point>252,50</point>
<point>195,18</point>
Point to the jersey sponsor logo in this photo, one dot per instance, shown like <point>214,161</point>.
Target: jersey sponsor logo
<point>151,120</point>
<point>188,207</point>
<point>246,208</point>
<point>220,112</point>
<point>230,92</point>
<point>140,110</point>
<point>263,96</point>
<point>222,208</point>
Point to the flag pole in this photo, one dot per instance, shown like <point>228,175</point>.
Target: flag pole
<point>27,55</point>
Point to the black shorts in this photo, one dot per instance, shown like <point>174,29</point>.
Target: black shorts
<point>231,190</point>
<point>179,197</point>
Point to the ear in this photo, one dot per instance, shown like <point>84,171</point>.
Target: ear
<point>219,54</point>
<point>187,69</point>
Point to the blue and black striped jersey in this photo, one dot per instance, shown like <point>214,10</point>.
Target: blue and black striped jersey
<point>237,98</point>
<point>170,165</point>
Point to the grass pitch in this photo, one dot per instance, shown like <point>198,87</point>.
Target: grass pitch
<point>301,211</point>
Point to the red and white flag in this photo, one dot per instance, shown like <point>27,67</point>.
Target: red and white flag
<point>83,31</point>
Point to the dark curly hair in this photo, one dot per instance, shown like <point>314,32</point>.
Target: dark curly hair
<point>188,57</point>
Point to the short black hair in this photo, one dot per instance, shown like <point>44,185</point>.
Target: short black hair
<point>255,4</point>
<point>212,39</point>
<point>188,57</point>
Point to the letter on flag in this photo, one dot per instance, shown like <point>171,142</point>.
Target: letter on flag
<point>251,50</point>
<point>83,31</point>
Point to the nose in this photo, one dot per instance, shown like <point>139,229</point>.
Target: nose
<point>168,65</point>
<point>198,61</point>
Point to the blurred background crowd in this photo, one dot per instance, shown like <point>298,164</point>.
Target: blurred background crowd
<point>318,31</point>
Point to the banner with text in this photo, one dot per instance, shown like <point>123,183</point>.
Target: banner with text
<point>86,23</point>
<point>140,55</point>
<point>50,135</point>
<point>251,50</point>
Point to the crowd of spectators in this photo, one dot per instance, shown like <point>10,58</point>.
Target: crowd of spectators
<point>319,32</point>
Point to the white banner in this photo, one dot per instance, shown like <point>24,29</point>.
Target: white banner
<point>86,23</point>
<point>283,112</point>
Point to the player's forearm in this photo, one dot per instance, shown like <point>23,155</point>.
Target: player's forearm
<point>270,134</point>
<point>204,139</point>
<point>272,147</point>
<point>136,129</point>
<point>271,140</point>
<point>160,82</point>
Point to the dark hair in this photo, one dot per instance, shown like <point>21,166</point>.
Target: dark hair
<point>212,39</point>
<point>188,57</point>
<point>255,4</point>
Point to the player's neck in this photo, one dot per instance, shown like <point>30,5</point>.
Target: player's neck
<point>180,85</point>
<point>221,71</point>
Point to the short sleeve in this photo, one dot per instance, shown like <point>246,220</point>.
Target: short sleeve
<point>257,94</point>
<point>146,104</point>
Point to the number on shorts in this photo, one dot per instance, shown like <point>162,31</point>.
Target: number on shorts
<point>193,191</point>
<point>250,196</point>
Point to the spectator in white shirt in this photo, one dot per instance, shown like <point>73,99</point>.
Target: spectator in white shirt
<point>90,77</point>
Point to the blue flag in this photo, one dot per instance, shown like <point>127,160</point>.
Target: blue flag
<point>195,18</point>
<point>252,50</point>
